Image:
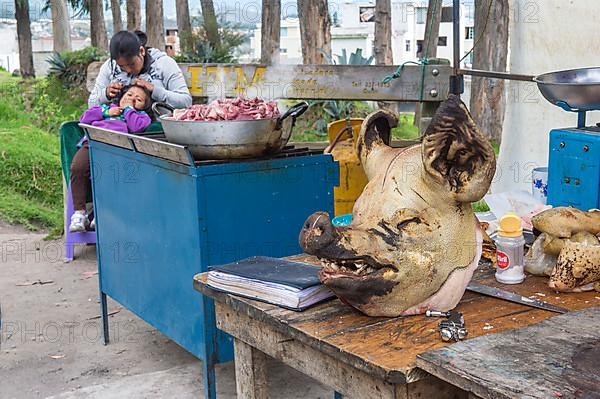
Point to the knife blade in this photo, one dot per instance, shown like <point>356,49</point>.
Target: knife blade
<point>512,297</point>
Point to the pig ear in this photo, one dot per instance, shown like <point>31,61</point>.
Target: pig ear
<point>376,130</point>
<point>456,154</point>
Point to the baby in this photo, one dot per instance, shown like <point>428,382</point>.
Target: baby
<point>128,115</point>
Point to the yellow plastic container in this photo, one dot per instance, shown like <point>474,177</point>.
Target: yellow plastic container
<point>352,176</point>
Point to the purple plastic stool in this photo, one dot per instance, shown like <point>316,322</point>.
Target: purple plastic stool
<point>87,237</point>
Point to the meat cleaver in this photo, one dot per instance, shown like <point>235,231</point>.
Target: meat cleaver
<point>512,297</point>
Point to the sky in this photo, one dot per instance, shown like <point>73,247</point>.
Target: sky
<point>242,7</point>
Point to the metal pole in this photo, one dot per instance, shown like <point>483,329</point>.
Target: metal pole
<point>456,35</point>
<point>496,75</point>
<point>457,83</point>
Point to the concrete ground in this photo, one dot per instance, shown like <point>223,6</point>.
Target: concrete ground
<point>50,344</point>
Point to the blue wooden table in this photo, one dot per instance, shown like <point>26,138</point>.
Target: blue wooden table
<point>161,221</point>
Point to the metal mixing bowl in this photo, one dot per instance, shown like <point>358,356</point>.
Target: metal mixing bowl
<point>572,90</point>
<point>230,139</point>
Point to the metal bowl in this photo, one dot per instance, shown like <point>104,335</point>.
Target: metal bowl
<point>572,90</point>
<point>230,139</point>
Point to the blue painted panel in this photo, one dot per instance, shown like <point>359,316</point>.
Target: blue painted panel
<point>574,169</point>
<point>259,208</point>
<point>149,250</point>
<point>160,223</point>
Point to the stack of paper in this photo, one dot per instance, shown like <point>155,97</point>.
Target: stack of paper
<point>289,284</point>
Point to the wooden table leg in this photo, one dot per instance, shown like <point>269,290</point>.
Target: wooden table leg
<point>250,371</point>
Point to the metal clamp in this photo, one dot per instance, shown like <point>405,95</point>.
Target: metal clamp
<point>451,329</point>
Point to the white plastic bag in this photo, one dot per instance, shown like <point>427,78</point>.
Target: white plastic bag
<point>520,202</point>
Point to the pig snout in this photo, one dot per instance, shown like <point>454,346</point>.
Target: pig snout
<point>317,233</point>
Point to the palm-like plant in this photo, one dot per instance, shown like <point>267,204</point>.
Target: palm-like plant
<point>339,109</point>
<point>70,67</point>
<point>203,51</point>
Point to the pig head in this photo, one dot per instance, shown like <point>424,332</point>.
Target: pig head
<point>414,242</point>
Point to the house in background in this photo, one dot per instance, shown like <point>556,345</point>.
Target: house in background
<point>172,46</point>
<point>356,29</point>
<point>41,43</point>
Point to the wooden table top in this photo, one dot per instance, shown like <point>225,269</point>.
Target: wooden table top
<point>388,347</point>
<point>557,358</point>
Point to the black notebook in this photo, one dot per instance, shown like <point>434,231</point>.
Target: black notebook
<point>293,285</point>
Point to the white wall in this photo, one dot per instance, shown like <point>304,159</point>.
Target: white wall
<point>545,36</point>
<point>9,48</point>
<point>291,42</point>
<point>351,44</point>
<point>446,30</point>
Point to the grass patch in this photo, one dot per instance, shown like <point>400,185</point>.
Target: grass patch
<point>406,130</point>
<point>309,128</point>
<point>30,178</point>
<point>480,206</point>
<point>30,174</point>
<point>31,214</point>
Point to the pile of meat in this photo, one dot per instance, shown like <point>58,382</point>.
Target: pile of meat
<point>229,110</point>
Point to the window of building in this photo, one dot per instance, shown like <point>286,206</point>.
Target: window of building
<point>367,14</point>
<point>283,50</point>
<point>408,45</point>
<point>447,14</point>
<point>284,32</point>
<point>419,48</point>
<point>469,31</point>
<point>421,15</point>
<point>442,41</point>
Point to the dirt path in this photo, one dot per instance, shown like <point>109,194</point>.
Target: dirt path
<point>51,344</point>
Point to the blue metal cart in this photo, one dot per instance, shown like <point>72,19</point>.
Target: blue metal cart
<point>162,218</point>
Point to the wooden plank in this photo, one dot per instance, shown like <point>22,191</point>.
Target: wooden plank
<point>335,82</point>
<point>250,371</point>
<point>332,82</point>
<point>388,347</point>
<point>557,358</point>
<point>326,369</point>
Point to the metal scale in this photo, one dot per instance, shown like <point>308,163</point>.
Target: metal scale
<point>574,159</point>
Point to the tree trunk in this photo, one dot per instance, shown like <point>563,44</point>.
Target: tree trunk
<point>270,31</point>
<point>432,29</point>
<point>487,95</point>
<point>210,22</point>
<point>115,7</point>
<point>134,15</point>
<point>24,38</point>
<point>97,28</point>
<point>315,31</point>
<point>383,33</point>
<point>61,32</point>
<point>155,24</point>
<point>184,25</point>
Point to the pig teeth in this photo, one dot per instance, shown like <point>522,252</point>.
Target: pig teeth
<point>360,268</point>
